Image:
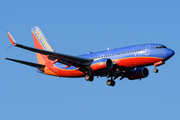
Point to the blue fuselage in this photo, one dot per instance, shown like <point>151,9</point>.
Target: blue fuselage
<point>145,51</point>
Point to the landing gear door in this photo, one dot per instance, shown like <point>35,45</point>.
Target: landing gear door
<point>147,50</point>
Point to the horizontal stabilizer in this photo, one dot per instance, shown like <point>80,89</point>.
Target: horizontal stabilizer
<point>26,63</point>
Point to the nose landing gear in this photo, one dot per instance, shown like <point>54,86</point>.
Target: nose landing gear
<point>158,64</point>
<point>156,70</point>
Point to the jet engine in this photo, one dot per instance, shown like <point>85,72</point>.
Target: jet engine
<point>137,73</point>
<point>101,64</point>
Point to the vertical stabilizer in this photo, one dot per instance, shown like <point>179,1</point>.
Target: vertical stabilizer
<point>41,42</point>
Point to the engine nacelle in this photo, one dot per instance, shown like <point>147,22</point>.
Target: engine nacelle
<point>101,64</point>
<point>138,73</point>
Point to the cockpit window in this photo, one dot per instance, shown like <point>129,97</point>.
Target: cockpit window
<point>164,46</point>
<point>159,47</point>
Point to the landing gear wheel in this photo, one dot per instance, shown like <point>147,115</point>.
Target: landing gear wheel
<point>156,70</point>
<point>113,83</point>
<point>89,78</point>
<point>110,82</point>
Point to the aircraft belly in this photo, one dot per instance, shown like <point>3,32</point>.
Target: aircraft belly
<point>69,73</point>
<point>137,61</point>
<point>144,61</point>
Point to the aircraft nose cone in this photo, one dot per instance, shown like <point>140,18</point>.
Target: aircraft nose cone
<point>170,53</point>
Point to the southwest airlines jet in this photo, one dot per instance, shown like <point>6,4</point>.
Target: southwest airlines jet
<point>127,62</point>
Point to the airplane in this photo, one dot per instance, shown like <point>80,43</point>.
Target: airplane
<point>127,62</point>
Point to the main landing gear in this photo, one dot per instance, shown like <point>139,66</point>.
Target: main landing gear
<point>111,82</point>
<point>89,78</point>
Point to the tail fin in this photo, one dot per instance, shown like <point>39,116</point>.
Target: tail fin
<point>41,42</point>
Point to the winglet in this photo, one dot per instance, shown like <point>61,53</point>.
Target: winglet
<point>13,42</point>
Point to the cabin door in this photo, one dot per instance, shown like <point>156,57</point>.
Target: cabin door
<point>147,50</point>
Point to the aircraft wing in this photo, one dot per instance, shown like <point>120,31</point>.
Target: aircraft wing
<point>54,55</point>
<point>62,58</point>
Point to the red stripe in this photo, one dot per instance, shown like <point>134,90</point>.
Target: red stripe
<point>137,61</point>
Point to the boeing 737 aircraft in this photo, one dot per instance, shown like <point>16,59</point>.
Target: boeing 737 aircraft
<point>127,62</point>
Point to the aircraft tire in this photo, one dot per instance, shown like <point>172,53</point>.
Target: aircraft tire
<point>113,83</point>
<point>156,70</point>
<point>89,78</point>
<point>110,83</point>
